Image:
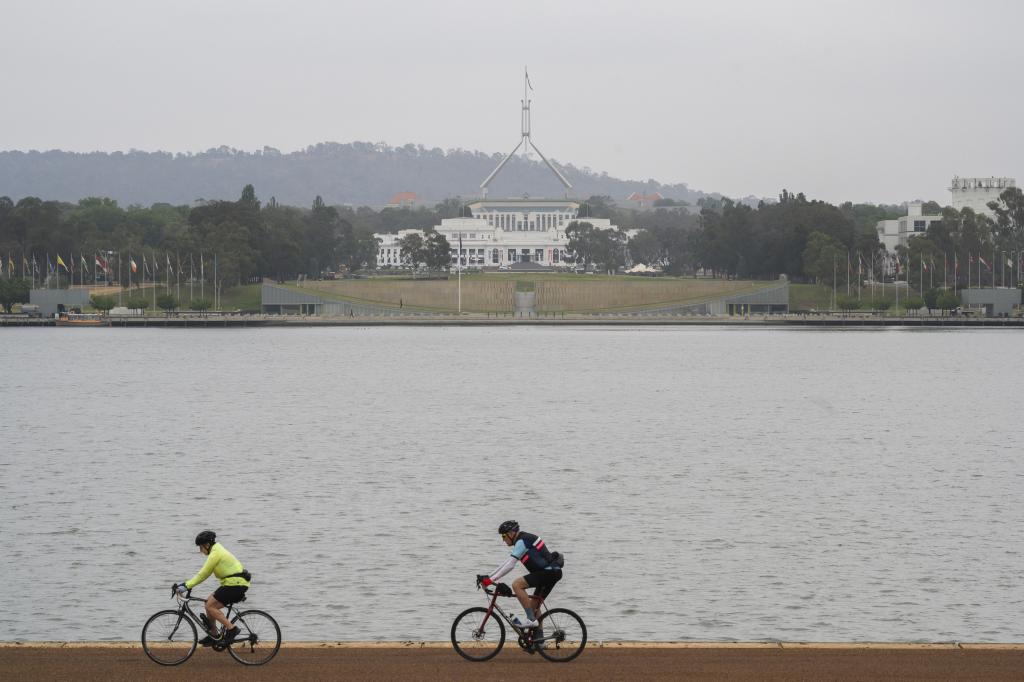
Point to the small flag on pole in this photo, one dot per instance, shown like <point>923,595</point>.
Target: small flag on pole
<point>134,266</point>
<point>61,263</point>
<point>983,262</point>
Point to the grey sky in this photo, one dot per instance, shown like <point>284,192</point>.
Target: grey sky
<point>873,101</point>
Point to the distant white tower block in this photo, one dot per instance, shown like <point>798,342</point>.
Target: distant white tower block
<point>975,193</point>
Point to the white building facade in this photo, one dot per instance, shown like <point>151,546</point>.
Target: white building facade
<point>503,232</point>
<point>975,193</point>
<point>893,233</point>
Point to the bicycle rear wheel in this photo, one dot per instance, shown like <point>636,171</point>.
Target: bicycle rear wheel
<point>476,643</point>
<point>565,635</point>
<point>259,638</point>
<point>169,638</point>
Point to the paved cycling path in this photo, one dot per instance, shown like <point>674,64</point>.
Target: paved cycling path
<point>413,661</point>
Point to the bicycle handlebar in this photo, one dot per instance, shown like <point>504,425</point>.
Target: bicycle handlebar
<point>502,590</point>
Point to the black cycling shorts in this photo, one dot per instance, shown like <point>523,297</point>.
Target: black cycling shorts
<point>543,581</point>
<point>230,594</point>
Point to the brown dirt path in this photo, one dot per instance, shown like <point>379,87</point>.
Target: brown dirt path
<point>350,663</point>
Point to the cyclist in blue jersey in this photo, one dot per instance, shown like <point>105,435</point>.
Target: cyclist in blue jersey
<point>542,566</point>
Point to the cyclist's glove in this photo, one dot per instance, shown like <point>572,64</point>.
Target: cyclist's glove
<point>180,587</point>
<point>484,580</point>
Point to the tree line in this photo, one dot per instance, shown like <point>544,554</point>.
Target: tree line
<point>807,240</point>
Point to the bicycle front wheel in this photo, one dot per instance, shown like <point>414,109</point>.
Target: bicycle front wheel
<point>475,640</point>
<point>564,635</point>
<point>169,637</point>
<point>259,638</point>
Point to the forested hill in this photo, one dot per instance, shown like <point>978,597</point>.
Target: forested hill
<point>358,173</point>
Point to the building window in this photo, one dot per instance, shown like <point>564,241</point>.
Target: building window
<point>920,225</point>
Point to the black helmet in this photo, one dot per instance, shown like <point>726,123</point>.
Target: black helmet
<point>207,537</point>
<point>508,527</point>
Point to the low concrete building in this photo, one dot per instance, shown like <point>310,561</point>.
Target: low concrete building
<point>996,302</point>
<point>772,300</point>
<point>897,232</point>
<point>53,301</point>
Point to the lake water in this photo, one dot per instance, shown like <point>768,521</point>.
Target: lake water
<point>703,483</point>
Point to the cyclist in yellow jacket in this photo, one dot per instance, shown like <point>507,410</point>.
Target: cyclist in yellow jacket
<point>234,582</point>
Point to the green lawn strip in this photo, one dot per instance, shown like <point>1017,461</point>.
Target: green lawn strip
<point>245,297</point>
<point>819,297</point>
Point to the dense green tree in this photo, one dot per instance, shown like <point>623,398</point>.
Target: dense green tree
<point>931,299</point>
<point>646,248</point>
<point>104,304</point>
<point>913,304</point>
<point>947,301</point>
<point>436,251</point>
<point>823,258</point>
<point>167,302</point>
<point>140,303</point>
<point>412,249</point>
<point>581,241</point>
<point>13,290</point>
<point>200,304</point>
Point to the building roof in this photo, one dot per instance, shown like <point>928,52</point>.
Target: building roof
<point>637,197</point>
<point>402,198</point>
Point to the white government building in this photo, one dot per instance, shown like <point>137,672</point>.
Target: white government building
<point>973,193</point>
<point>503,232</point>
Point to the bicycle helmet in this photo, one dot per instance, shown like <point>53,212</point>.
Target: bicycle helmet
<point>207,537</point>
<point>508,527</point>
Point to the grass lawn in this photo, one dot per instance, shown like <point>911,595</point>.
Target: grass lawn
<point>819,297</point>
<point>246,297</point>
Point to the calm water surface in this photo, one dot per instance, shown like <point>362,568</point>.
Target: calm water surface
<point>703,483</point>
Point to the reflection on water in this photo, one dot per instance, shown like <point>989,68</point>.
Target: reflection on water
<point>702,483</point>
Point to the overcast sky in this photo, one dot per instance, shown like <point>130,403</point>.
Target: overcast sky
<point>863,101</point>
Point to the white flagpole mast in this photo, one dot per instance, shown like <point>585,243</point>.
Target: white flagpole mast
<point>202,275</point>
<point>191,278</point>
<point>833,281</point>
<point>459,262</point>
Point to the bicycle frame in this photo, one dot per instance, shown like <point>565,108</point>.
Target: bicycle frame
<point>525,634</point>
<point>185,610</point>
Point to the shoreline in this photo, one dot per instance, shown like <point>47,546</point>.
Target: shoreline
<point>627,320</point>
<point>417,644</point>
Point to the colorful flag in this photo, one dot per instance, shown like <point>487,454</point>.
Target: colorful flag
<point>102,263</point>
<point>134,266</point>
<point>84,263</point>
<point>924,265</point>
<point>10,264</point>
<point>61,263</point>
<point>145,267</point>
<point>1009,263</point>
<point>982,260</point>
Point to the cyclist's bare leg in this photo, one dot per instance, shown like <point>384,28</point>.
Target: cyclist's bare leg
<point>519,586</point>
<point>213,612</point>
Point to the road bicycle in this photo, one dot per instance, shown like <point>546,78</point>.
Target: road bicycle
<point>478,633</point>
<point>170,637</point>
